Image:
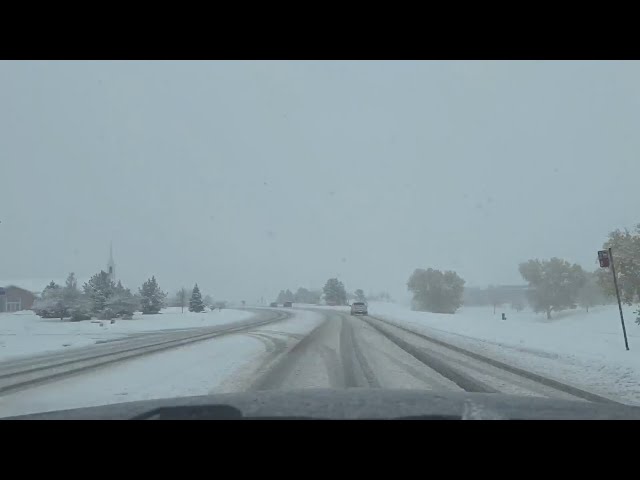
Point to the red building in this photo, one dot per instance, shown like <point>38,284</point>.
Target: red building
<point>13,299</point>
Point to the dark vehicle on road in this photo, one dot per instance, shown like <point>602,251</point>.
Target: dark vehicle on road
<point>359,308</point>
<point>273,304</point>
<point>287,304</point>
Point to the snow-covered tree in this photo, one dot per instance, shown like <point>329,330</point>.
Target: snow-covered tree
<point>51,302</point>
<point>61,302</point>
<point>195,303</point>
<point>71,293</point>
<point>553,284</point>
<point>98,290</point>
<point>151,297</point>
<point>122,303</point>
<point>334,292</point>
<point>301,295</point>
<point>75,302</point>
<point>626,254</point>
<point>436,291</point>
<point>81,309</point>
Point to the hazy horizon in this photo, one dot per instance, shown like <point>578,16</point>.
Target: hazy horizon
<point>252,177</point>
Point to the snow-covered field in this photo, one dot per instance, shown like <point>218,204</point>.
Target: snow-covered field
<point>24,333</point>
<point>585,349</point>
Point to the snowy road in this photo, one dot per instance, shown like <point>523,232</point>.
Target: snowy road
<point>346,352</point>
<point>313,348</point>
<point>25,372</point>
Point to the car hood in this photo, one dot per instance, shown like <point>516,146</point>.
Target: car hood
<point>357,403</point>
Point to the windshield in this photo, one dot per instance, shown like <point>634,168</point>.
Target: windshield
<point>159,216</point>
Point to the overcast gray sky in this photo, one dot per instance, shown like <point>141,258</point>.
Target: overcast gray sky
<point>250,177</point>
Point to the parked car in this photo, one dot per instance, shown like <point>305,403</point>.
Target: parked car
<point>273,304</point>
<point>287,304</point>
<point>359,308</point>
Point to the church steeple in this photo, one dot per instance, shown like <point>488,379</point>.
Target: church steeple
<point>111,265</point>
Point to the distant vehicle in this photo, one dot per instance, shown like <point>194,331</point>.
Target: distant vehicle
<point>287,304</point>
<point>359,308</point>
<point>273,304</point>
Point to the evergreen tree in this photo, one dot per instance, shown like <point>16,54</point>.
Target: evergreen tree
<point>195,303</point>
<point>75,302</point>
<point>71,293</point>
<point>289,296</point>
<point>98,290</point>
<point>61,302</point>
<point>122,303</point>
<point>51,302</point>
<point>334,292</point>
<point>152,298</point>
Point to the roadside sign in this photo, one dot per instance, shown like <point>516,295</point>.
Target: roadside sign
<point>603,258</point>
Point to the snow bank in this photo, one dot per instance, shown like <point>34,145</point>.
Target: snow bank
<point>584,349</point>
<point>24,333</point>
